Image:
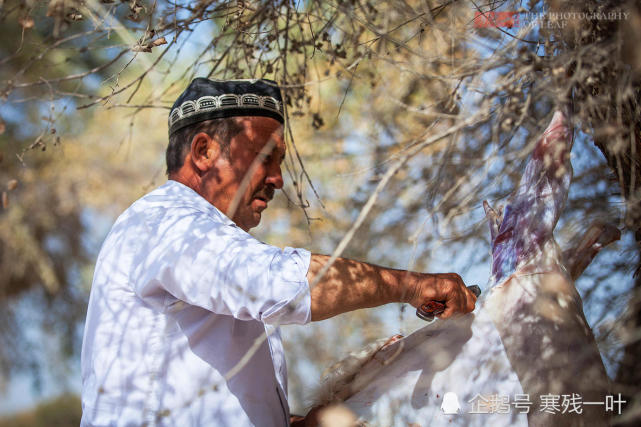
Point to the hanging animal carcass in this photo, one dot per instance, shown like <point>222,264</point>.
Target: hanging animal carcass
<point>526,355</point>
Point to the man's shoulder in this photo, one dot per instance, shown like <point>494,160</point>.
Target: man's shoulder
<point>169,210</point>
<point>170,201</point>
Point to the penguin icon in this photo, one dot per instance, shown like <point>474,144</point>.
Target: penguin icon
<point>450,403</point>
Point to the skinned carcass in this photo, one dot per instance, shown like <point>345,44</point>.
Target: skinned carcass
<point>525,356</point>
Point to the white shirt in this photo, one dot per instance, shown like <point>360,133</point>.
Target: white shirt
<point>179,296</point>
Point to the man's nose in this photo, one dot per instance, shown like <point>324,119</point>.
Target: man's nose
<point>275,177</point>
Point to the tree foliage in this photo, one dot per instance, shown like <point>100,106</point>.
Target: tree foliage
<point>402,117</point>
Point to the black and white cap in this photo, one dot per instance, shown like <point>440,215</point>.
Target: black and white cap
<point>206,99</point>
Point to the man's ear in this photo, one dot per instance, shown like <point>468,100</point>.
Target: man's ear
<point>204,151</point>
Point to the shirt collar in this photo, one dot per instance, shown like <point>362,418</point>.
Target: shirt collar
<point>182,195</point>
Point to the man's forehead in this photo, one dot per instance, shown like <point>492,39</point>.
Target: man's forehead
<point>259,132</point>
<point>262,127</point>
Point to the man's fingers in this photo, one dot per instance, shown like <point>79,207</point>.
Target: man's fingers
<point>462,301</point>
<point>449,312</point>
<point>452,306</point>
<point>471,300</point>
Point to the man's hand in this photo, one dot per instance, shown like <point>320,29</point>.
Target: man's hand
<point>447,287</point>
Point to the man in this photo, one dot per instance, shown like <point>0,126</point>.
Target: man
<point>182,324</point>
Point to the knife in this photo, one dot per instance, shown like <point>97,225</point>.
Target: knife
<point>430,309</point>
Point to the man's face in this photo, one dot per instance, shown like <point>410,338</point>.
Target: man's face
<point>242,185</point>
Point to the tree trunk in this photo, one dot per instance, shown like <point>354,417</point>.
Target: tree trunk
<point>628,377</point>
<point>605,90</point>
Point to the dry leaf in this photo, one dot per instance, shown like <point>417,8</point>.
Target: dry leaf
<point>5,200</point>
<point>146,47</point>
<point>75,15</point>
<point>3,126</point>
<point>26,22</point>
<point>140,48</point>
<point>159,41</point>
<point>136,8</point>
<point>12,184</point>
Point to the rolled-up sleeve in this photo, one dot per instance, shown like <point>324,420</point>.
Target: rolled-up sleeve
<point>221,268</point>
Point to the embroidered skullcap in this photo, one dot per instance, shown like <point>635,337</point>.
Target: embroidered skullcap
<point>206,99</point>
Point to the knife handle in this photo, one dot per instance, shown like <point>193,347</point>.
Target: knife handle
<point>430,309</point>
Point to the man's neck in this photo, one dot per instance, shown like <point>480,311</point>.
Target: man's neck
<point>187,179</point>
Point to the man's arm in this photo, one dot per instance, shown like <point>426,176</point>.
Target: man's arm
<point>349,285</point>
